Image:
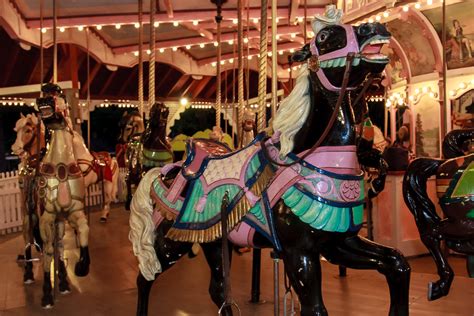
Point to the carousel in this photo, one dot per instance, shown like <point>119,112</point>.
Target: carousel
<point>237,157</point>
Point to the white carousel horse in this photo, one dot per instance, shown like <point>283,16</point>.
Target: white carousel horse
<point>27,147</point>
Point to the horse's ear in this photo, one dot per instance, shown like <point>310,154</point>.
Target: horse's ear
<point>125,114</point>
<point>21,115</point>
<point>301,55</point>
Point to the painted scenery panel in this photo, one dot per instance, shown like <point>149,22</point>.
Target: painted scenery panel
<point>427,128</point>
<point>459,32</point>
<point>395,67</point>
<point>463,111</point>
<point>417,48</point>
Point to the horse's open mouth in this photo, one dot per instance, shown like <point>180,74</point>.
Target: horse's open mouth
<point>370,50</point>
<point>46,111</point>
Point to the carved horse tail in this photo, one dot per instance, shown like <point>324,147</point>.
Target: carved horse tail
<point>142,227</point>
<point>415,194</point>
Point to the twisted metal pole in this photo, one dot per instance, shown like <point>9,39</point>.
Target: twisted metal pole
<point>240,74</point>
<point>41,48</point>
<point>274,58</point>
<point>262,69</point>
<point>140,57</point>
<point>151,63</point>
<point>218,67</point>
<point>55,43</point>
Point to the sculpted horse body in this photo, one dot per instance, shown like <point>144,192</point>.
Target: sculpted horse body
<point>61,189</point>
<point>455,188</point>
<point>29,145</point>
<point>146,149</point>
<point>300,192</point>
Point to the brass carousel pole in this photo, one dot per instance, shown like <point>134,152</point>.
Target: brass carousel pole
<point>151,82</point>
<point>262,74</point>
<point>240,89</point>
<point>443,95</point>
<point>41,48</point>
<point>140,58</point>
<point>218,18</point>
<point>275,58</point>
<point>55,44</point>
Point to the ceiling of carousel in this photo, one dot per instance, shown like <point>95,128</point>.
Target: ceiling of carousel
<point>185,44</point>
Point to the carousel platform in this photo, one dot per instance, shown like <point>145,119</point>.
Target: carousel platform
<point>110,287</point>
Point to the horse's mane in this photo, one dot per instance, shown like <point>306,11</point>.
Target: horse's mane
<point>293,111</point>
<point>23,120</point>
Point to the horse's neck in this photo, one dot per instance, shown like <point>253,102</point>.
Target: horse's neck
<point>37,144</point>
<point>323,102</point>
<point>80,149</point>
<point>156,139</point>
<point>60,148</point>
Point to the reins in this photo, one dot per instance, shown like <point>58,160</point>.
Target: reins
<point>332,120</point>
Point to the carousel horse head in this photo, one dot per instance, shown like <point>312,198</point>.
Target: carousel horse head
<point>335,43</point>
<point>159,115</point>
<point>154,136</point>
<point>53,107</point>
<point>130,124</point>
<point>27,134</point>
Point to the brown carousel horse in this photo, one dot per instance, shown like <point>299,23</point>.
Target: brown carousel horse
<point>455,188</point>
<point>28,146</point>
<point>300,192</point>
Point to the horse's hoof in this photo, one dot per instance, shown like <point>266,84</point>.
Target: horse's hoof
<point>103,219</point>
<point>434,292</point>
<point>64,287</point>
<point>81,269</point>
<point>65,292</point>
<point>28,281</point>
<point>47,301</point>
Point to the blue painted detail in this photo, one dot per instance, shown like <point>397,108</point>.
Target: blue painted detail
<point>271,222</point>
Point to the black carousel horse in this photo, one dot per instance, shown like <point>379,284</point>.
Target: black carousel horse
<point>148,149</point>
<point>455,188</point>
<point>156,150</point>
<point>294,192</point>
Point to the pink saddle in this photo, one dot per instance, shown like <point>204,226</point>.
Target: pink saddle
<point>197,150</point>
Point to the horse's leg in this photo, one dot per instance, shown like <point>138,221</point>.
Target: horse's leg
<point>213,253</point>
<point>107,200</point>
<point>28,276</point>
<point>78,220</point>
<point>168,253</point>
<point>48,231</point>
<point>359,253</point>
<point>304,271</point>
<point>128,182</point>
<point>441,287</point>
<point>62,272</point>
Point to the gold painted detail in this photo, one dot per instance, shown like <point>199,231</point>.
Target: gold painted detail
<point>313,63</point>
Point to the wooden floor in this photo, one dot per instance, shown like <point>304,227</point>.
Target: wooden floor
<point>110,287</point>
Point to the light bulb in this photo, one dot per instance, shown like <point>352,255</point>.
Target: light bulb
<point>195,22</point>
<point>62,29</point>
<point>80,28</point>
<point>99,27</point>
<point>118,26</point>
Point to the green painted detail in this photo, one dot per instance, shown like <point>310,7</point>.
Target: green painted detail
<point>212,204</point>
<point>252,167</point>
<point>152,158</point>
<point>160,192</point>
<point>368,122</point>
<point>320,215</point>
<point>256,211</point>
<point>465,185</point>
<point>470,214</point>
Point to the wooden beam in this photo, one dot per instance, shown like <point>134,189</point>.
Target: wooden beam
<point>107,83</point>
<point>92,75</point>
<point>202,84</point>
<point>202,31</point>
<point>211,91</point>
<point>169,8</point>
<point>182,15</point>
<point>178,85</point>
<point>12,59</point>
<point>127,82</point>
<point>73,66</point>
<point>163,79</point>
<point>293,13</point>
<point>191,84</point>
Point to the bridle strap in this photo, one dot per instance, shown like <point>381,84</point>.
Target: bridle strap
<point>332,120</point>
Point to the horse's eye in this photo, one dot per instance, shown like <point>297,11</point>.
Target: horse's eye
<point>322,36</point>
